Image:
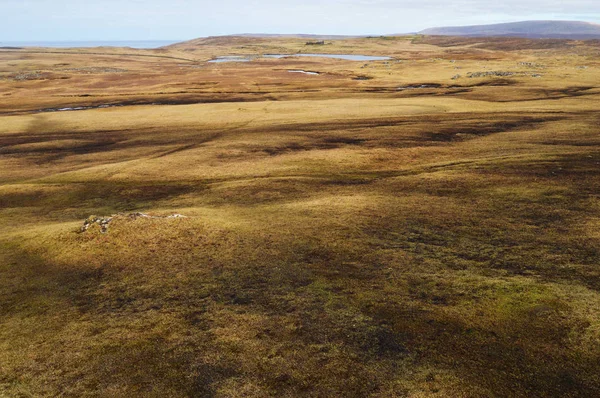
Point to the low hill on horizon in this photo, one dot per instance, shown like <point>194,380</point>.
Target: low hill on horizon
<point>577,30</point>
<point>528,29</point>
<point>297,36</point>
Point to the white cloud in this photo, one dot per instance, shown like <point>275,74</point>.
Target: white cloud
<point>130,19</point>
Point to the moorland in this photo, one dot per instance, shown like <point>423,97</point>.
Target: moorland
<point>423,226</point>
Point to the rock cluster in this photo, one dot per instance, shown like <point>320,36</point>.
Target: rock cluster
<point>490,73</point>
<point>25,76</point>
<point>95,69</point>
<point>91,220</point>
<point>496,73</point>
<point>103,222</point>
<point>530,65</point>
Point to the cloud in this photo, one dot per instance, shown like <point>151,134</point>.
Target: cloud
<point>138,19</point>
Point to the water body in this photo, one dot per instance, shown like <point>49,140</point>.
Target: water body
<point>141,44</point>
<point>413,87</point>
<point>347,57</point>
<point>80,108</point>
<point>231,58</point>
<point>304,71</point>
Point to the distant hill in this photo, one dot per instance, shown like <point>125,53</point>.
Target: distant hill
<point>252,38</point>
<point>528,29</point>
<point>298,35</point>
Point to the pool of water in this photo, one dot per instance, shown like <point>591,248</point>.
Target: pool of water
<point>347,57</point>
<point>306,72</point>
<point>232,58</point>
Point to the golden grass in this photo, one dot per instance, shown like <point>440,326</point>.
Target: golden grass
<point>342,238</point>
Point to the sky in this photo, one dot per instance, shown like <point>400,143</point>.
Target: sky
<point>53,20</point>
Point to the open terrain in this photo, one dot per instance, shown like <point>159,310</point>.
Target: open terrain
<point>424,226</point>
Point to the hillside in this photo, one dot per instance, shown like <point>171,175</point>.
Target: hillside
<point>426,226</point>
<point>529,29</point>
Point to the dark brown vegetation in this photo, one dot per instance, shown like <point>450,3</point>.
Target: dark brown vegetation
<point>498,43</point>
<point>343,238</point>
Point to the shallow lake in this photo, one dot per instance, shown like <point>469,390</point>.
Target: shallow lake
<point>232,58</point>
<point>306,72</point>
<point>347,57</point>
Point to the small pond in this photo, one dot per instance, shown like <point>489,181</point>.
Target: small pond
<point>347,57</point>
<point>306,72</point>
<point>232,58</point>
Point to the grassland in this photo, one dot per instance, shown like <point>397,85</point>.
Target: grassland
<point>383,229</point>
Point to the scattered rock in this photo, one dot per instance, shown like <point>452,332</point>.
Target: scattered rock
<point>103,222</point>
<point>22,76</point>
<point>490,73</point>
<point>531,65</point>
<point>95,69</point>
<point>455,77</point>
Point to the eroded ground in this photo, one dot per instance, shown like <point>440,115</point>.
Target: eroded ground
<point>426,226</point>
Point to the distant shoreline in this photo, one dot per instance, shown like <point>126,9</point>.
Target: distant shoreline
<point>141,44</point>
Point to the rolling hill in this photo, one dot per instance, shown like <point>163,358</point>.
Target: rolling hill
<point>529,29</point>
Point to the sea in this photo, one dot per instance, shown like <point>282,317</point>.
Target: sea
<point>69,44</point>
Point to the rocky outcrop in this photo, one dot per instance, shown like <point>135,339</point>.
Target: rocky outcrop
<point>494,73</point>
<point>530,65</point>
<point>104,222</point>
<point>101,221</point>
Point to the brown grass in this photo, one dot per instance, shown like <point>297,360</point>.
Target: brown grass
<point>342,238</point>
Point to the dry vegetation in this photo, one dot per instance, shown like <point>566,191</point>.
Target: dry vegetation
<point>343,238</point>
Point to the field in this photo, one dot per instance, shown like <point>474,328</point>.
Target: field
<point>426,226</point>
